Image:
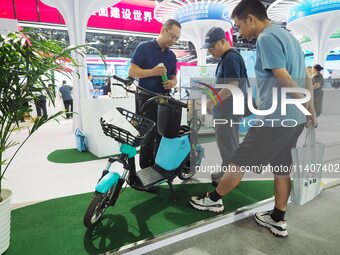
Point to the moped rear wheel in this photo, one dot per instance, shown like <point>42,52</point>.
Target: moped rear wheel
<point>98,205</point>
<point>187,171</point>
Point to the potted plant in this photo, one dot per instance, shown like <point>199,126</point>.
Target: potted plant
<point>27,59</point>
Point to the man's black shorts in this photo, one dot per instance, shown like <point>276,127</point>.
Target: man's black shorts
<point>268,145</point>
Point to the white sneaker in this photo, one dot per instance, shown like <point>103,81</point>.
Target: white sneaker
<point>204,203</point>
<point>277,228</point>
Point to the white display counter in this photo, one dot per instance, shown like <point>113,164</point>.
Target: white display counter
<point>92,109</point>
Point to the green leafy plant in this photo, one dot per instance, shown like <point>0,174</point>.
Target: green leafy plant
<point>26,61</point>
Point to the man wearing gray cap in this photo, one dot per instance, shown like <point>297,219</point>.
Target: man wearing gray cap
<point>230,70</point>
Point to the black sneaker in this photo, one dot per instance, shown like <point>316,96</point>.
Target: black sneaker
<point>204,203</point>
<point>277,228</point>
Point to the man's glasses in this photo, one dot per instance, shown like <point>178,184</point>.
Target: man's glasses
<point>172,36</point>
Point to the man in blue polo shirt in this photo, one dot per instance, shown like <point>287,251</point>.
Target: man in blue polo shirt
<point>145,66</point>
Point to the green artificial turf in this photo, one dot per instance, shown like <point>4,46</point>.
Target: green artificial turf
<point>206,139</point>
<point>55,226</point>
<point>70,156</point>
<point>75,156</point>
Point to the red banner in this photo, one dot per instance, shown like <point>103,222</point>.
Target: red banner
<point>49,14</point>
<point>26,10</point>
<point>126,17</point>
<point>6,9</point>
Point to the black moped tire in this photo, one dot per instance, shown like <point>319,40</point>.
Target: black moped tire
<point>187,171</point>
<point>97,207</point>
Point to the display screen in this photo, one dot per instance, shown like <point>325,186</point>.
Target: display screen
<point>98,70</point>
<point>122,71</point>
<point>98,81</point>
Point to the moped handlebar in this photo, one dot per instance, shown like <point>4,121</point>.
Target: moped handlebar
<point>129,81</point>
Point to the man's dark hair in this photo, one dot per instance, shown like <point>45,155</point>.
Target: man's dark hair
<point>64,82</point>
<point>170,23</point>
<point>246,7</point>
<point>318,68</point>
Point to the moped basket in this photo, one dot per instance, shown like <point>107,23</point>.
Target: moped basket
<point>142,124</point>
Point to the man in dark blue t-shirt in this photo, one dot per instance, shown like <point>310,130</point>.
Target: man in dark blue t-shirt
<point>145,66</point>
<point>230,70</point>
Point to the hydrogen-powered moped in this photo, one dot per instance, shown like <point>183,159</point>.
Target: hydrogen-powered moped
<point>178,153</point>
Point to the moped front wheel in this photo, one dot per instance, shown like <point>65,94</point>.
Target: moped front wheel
<point>98,205</point>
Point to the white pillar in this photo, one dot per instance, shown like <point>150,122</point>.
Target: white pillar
<point>319,28</point>
<point>76,14</point>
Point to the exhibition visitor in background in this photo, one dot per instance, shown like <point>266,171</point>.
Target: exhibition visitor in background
<point>318,84</point>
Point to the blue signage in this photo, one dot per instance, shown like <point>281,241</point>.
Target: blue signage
<point>122,70</point>
<point>202,11</point>
<point>99,69</point>
<point>311,7</point>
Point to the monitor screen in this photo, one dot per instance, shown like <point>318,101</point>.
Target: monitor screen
<point>122,70</point>
<point>98,70</point>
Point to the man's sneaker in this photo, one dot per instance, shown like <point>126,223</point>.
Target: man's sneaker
<point>277,228</point>
<point>204,203</point>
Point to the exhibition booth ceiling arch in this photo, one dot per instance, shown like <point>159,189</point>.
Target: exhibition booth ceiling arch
<point>318,20</point>
<point>278,10</point>
<point>196,18</point>
<point>304,40</point>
